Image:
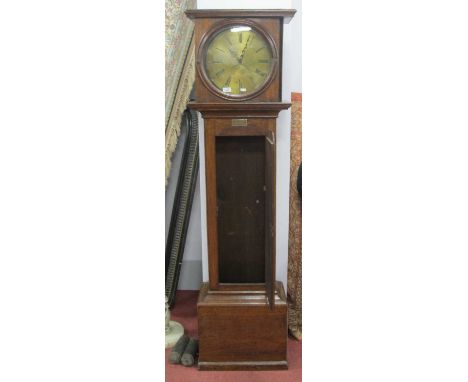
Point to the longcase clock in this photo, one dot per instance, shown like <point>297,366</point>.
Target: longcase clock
<point>242,310</point>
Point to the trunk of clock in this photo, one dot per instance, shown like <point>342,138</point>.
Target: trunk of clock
<point>240,189</point>
<point>242,310</point>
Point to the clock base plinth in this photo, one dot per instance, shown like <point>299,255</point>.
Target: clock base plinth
<point>243,366</point>
<point>238,330</point>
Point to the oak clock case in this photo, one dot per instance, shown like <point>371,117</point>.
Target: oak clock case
<point>242,310</point>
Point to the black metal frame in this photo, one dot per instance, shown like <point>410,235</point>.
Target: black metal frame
<point>182,206</point>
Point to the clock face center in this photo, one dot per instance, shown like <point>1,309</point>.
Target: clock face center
<point>238,60</point>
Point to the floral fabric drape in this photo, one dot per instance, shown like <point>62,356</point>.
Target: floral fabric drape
<point>295,223</point>
<point>180,70</point>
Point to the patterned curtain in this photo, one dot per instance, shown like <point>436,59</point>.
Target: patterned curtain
<point>295,223</point>
<point>180,70</point>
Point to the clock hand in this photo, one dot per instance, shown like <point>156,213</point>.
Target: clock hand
<point>234,56</point>
<point>243,50</point>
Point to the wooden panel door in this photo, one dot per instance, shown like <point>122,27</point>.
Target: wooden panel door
<point>270,216</point>
<point>240,194</point>
<point>240,165</point>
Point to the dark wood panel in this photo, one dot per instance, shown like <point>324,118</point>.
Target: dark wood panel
<point>240,184</point>
<point>210,173</point>
<point>238,331</point>
<point>249,333</point>
<point>214,128</point>
<point>285,14</point>
<point>270,212</point>
<point>251,365</point>
<point>238,294</point>
<point>254,110</point>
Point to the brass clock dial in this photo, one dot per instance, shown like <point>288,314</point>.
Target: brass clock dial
<point>238,60</point>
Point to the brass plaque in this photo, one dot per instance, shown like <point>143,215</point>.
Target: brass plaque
<point>239,122</point>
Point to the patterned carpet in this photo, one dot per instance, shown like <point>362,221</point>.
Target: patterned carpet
<point>185,312</point>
